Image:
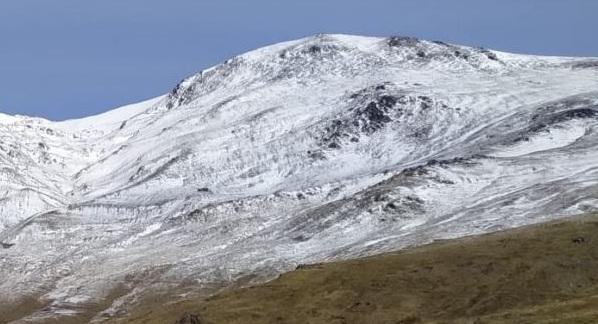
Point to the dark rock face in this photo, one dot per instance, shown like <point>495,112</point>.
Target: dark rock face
<point>424,170</point>
<point>423,52</point>
<point>189,319</point>
<point>400,41</point>
<point>544,122</point>
<point>314,49</point>
<point>371,110</point>
<point>366,120</point>
<point>376,113</point>
<point>489,54</point>
<point>586,65</point>
<point>581,113</point>
<point>554,115</point>
<point>461,55</point>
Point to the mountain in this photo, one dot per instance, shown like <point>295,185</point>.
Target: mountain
<point>325,148</point>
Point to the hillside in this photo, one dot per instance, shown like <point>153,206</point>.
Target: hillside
<point>538,274</point>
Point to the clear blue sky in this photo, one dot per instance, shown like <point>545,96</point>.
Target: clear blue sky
<point>69,58</point>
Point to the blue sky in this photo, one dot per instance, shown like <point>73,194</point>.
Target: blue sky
<point>70,58</point>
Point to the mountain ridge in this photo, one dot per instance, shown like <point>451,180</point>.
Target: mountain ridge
<point>324,148</point>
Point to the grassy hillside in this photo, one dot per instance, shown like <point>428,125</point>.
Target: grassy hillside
<point>541,274</point>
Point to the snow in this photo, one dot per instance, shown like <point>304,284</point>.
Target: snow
<point>555,138</point>
<point>109,120</point>
<point>327,147</point>
<point>8,119</point>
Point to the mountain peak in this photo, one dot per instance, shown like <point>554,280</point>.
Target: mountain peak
<point>326,55</point>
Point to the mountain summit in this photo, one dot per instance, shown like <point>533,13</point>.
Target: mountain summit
<point>329,147</point>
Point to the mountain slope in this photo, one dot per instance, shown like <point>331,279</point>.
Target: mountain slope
<point>323,148</point>
<point>534,274</point>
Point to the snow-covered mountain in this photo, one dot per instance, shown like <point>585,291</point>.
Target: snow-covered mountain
<point>327,147</point>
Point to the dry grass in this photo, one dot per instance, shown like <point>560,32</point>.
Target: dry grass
<point>14,311</point>
<point>541,274</point>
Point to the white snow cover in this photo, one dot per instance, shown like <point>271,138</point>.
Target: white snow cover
<point>327,147</point>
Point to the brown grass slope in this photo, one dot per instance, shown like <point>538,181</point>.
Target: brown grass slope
<point>541,274</point>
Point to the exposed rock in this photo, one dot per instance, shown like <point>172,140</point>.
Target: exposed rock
<point>6,245</point>
<point>400,41</point>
